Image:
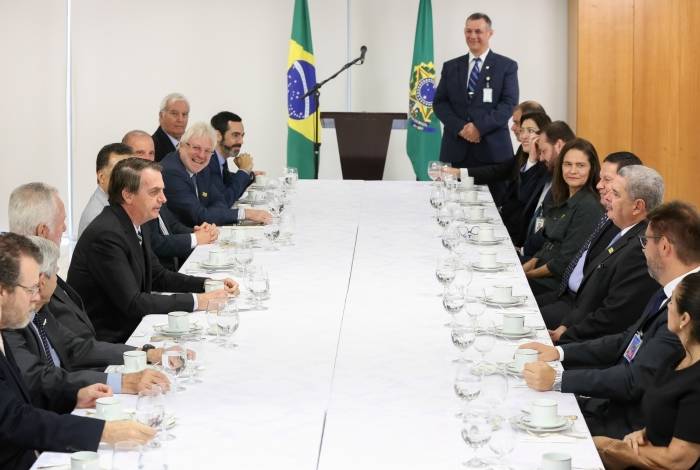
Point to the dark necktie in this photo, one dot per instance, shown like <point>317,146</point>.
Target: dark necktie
<point>39,322</point>
<point>474,76</point>
<point>654,304</point>
<point>193,178</point>
<point>602,225</point>
<point>139,236</point>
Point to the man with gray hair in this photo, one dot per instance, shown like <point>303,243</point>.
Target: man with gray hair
<point>49,355</point>
<point>192,194</point>
<point>607,291</point>
<point>172,118</point>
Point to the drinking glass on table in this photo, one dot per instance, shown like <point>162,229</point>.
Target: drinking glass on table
<point>291,176</point>
<point>126,455</point>
<point>437,197</point>
<point>463,337</point>
<point>467,386</point>
<point>195,351</point>
<point>213,308</point>
<point>485,341</point>
<point>272,232</point>
<point>453,301</point>
<point>474,309</point>
<point>243,256</point>
<point>150,410</point>
<point>444,217</point>
<point>445,271</point>
<point>259,286</point>
<point>174,363</point>
<point>228,321</point>
<point>502,443</point>
<point>287,226</point>
<point>476,432</point>
<point>450,237</point>
<point>444,175</point>
<point>434,169</point>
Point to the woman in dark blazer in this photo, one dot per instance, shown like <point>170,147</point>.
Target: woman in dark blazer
<point>570,219</point>
<point>671,405</point>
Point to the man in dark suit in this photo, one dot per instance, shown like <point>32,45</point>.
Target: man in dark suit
<point>189,185</point>
<point>614,370</point>
<point>605,292</point>
<point>113,267</point>
<point>171,240</point>
<point>25,427</point>
<point>173,116</point>
<point>49,354</point>
<point>229,139</point>
<point>474,100</point>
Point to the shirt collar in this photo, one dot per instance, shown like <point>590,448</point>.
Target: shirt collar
<point>473,57</point>
<point>627,229</point>
<point>668,288</point>
<point>174,141</point>
<point>221,159</point>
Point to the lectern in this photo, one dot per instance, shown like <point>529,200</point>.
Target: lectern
<point>363,141</point>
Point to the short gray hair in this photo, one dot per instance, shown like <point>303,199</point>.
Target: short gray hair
<point>31,205</point>
<point>172,97</point>
<point>199,129</point>
<point>643,183</point>
<point>49,252</point>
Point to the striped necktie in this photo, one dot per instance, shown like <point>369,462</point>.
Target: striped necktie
<point>474,76</point>
<point>139,236</point>
<point>602,225</point>
<point>39,322</point>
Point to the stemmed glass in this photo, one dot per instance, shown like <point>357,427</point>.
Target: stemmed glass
<point>291,175</point>
<point>174,363</point>
<point>259,287</point>
<point>287,225</point>
<point>446,271</point>
<point>453,301</point>
<point>213,308</point>
<point>444,217</point>
<point>434,167</point>
<point>450,237</point>
<point>485,341</point>
<point>194,359</point>
<point>126,455</point>
<point>463,337</point>
<point>228,321</point>
<point>502,443</point>
<point>272,233</point>
<point>444,176</point>
<point>151,411</point>
<point>478,427</point>
<point>243,256</point>
<point>474,309</point>
<point>437,197</point>
<point>467,386</point>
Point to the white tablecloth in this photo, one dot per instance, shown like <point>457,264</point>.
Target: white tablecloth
<point>350,365</point>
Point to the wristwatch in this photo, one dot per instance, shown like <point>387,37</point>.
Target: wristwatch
<point>146,347</point>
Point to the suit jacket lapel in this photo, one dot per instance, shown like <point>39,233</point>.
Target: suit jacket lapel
<point>7,361</point>
<point>55,337</point>
<point>133,243</point>
<point>463,77</point>
<point>71,299</point>
<point>485,71</point>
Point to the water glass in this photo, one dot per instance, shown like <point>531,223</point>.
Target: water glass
<point>467,385</point>
<point>434,170</point>
<point>463,337</point>
<point>150,410</point>
<point>453,301</point>
<point>477,431</point>
<point>259,287</point>
<point>446,270</point>
<point>126,456</point>
<point>213,308</point>
<point>502,443</point>
<point>228,321</point>
<point>174,364</point>
<point>485,341</point>
<point>272,232</point>
<point>437,197</point>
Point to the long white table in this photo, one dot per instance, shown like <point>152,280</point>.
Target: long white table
<point>351,364</point>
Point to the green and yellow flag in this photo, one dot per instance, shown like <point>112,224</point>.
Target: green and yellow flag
<point>301,77</point>
<point>423,133</point>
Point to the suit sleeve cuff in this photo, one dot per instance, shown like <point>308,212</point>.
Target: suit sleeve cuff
<point>115,382</point>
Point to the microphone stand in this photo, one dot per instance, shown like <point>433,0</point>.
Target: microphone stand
<point>315,91</point>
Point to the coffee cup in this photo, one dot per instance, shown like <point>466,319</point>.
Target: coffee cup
<point>468,196</point>
<point>524,356</point>
<point>476,213</point>
<point>513,322</point>
<point>213,284</point>
<point>108,408</point>
<point>226,233</point>
<point>543,412</point>
<point>502,293</point>
<point>135,361</point>
<point>487,259</point>
<point>485,233</point>
<point>555,461</point>
<point>261,180</point>
<point>467,181</point>
<point>85,460</point>
<point>217,257</point>
<point>178,321</point>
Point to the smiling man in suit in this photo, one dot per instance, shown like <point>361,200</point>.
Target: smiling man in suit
<point>606,291</point>
<point>474,100</point>
<point>192,193</point>
<point>113,267</point>
<point>613,371</point>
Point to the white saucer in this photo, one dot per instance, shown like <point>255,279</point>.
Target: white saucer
<point>165,329</point>
<point>512,369</point>
<point>206,265</point>
<point>472,203</point>
<point>523,422</point>
<point>490,269</point>
<point>495,241</point>
<point>514,302</point>
<point>482,220</point>
<point>524,333</point>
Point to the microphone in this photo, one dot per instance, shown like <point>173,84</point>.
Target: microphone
<point>363,51</point>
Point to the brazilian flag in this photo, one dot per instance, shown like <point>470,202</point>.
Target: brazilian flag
<point>301,77</point>
<point>423,130</point>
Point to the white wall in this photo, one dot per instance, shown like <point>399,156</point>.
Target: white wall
<point>232,54</point>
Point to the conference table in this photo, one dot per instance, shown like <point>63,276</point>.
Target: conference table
<point>350,365</point>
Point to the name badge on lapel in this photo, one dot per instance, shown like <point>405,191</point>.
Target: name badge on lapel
<point>539,223</point>
<point>488,95</point>
<point>633,347</point>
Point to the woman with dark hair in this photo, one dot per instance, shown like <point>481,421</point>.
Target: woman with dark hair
<point>569,218</point>
<point>671,405</point>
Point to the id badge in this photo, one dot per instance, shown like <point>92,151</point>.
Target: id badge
<point>488,95</point>
<point>539,223</point>
<point>633,347</point>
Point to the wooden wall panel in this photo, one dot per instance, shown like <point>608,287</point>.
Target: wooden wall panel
<point>656,78</point>
<point>605,66</point>
<point>686,183</point>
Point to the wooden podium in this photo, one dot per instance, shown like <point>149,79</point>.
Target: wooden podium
<point>363,140</point>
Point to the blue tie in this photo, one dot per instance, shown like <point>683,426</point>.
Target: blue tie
<point>39,321</point>
<point>474,76</point>
<point>602,224</point>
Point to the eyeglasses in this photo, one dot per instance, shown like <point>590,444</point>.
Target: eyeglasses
<point>643,240</point>
<point>199,149</point>
<point>32,291</point>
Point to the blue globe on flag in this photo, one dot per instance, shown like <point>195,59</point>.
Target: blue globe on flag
<point>301,77</point>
